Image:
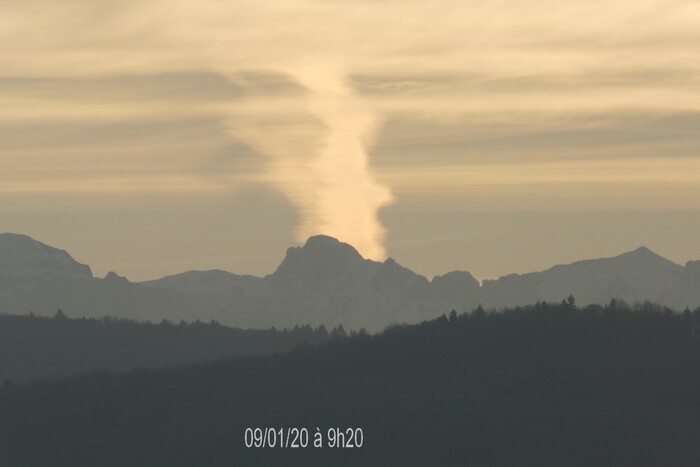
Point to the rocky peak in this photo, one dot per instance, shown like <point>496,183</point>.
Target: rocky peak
<point>23,256</point>
<point>321,257</point>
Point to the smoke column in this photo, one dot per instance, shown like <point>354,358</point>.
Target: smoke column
<point>324,168</point>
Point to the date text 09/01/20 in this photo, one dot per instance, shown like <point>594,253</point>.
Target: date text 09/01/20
<point>296,438</point>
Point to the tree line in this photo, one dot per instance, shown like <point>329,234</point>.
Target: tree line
<point>33,347</point>
<point>550,384</point>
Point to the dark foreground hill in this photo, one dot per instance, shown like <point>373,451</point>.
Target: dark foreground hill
<point>33,347</point>
<point>536,386</point>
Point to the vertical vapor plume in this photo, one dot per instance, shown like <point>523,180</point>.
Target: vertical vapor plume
<point>323,165</point>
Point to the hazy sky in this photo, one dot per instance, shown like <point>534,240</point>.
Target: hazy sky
<point>152,137</point>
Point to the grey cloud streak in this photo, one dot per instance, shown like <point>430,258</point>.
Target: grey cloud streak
<point>406,141</point>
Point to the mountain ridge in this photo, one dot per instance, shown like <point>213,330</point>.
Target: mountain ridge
<point>20,252</point>
<point>326,281</point>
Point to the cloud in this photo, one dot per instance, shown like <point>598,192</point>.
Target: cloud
<point>187,86</point>
<point>311,85</point>
<point>319,159</point>
<point>405,140</point>
<point>122,158</point>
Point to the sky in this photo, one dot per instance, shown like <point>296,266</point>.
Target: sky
<point>153,137</point>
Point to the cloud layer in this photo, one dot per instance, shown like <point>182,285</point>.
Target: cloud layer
<point>348,106</point>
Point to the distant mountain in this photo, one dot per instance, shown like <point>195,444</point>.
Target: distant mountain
<point>21,255</point>
<point>635,276</point>
<point>324,282</point>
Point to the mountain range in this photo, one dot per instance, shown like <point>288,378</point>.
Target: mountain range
<point>324,282</point>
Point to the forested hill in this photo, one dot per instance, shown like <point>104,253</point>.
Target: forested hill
<point>546,385</point>
<point>33,347</point>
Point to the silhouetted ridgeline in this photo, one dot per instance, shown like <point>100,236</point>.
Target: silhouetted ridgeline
<point>32,347</point>
<point>324,282</point>
<point>547,385</point>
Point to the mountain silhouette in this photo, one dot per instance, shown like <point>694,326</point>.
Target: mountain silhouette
<point>324,282</point>
<point>321,259</point>
<point>20,254</point>
<point>634,276</point>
